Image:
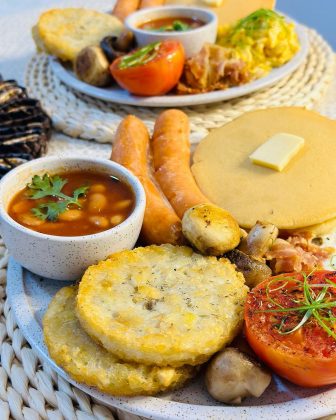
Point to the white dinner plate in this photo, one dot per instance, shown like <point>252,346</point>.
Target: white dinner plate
<point>29,297</point>
<point>121,96</point>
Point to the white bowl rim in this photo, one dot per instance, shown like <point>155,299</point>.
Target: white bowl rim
<point>135,185</point>
<point>130,24</point>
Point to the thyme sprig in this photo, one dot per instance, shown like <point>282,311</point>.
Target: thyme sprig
<point>314,304</point>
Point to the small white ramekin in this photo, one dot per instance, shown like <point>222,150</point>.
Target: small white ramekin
<point>66,257</point>
<point>192,40</point>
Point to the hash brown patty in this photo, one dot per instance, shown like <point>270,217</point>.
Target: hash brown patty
<point>162,305</point>
<point>65,32</point>
<point>89,363</point>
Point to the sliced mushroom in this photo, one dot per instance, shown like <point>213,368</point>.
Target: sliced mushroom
<point>253,270</point>
<point>259,240</point>
<point>232,376</point>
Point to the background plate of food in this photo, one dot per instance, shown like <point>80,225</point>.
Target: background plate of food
<point>218,63</point>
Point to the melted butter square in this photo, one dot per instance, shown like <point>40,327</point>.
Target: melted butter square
<point>278,151</point>
<point>213,3</point>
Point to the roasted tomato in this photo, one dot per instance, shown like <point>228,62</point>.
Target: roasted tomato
<point>290,322</point>
<point>152,70</point>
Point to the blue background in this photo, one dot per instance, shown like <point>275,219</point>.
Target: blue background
<point>318,14</point>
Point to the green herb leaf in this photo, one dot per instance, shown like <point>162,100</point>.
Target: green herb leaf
<point>176,26</point>
<point>260,19</point>
<point>46,186</point>
<point>180,26</point>
<point>316,305</point>
<point>139,57</point>
<point>39,214</point>
<point>50,211</point>
<point>78,192</point>
<point>51,186</point>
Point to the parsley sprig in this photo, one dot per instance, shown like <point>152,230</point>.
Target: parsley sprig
<point>51,186</point>
<point>317,302</point>
<point>176,26</point>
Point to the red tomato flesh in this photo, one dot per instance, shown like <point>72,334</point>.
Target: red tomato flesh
<point>153,74</point>
<point>307,356</point>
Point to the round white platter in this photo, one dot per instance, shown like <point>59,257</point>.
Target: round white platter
<point>29,296</point>
<point>117,95</point>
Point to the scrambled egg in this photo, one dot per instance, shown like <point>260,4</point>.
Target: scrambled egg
<point>263,40</point>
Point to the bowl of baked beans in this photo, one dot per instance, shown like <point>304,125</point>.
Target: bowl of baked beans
<point>58,216</point>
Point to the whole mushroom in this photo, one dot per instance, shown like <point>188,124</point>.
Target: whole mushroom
<point>211,229</point>
<point>116,46</point>
<point>92,67</point>
<point>232,376</point>
<point>259,240</point>
<point>254,271</point>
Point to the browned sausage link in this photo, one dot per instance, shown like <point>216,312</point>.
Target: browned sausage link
<point>131,149</point>
<point>171,158</point>
<point>123,8</point>
<point>151,3</point>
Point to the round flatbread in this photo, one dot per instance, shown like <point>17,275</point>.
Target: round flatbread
<point>87,362</point>
<point>65,32</point>
<point>162,305</point>
<point>303,194</point>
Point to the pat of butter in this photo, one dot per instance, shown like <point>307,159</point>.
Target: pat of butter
<point>278,151</point>
<point>213,3</point>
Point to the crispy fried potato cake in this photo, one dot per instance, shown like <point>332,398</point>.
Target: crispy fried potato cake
<point>89,363</point>
<point>65,32</point>
<point>162,305</point>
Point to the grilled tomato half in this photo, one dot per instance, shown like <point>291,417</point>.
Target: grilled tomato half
<point>152,70</point>
<point>290,323</point>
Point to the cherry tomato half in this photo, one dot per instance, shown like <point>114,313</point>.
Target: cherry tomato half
<point>152,70</point>
<point>296,344</point>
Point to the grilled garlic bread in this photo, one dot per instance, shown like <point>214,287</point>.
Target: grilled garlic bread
<point>162,305</point>
<point>87,362</point>
<point>65,32</point>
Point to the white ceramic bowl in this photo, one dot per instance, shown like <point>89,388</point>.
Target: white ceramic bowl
<point>192,40</point>
<point>66,257</point>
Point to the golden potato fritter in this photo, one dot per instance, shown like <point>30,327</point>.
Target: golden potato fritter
<point>87,362</point>
<point>162,305</point>
<point>65,32</point>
